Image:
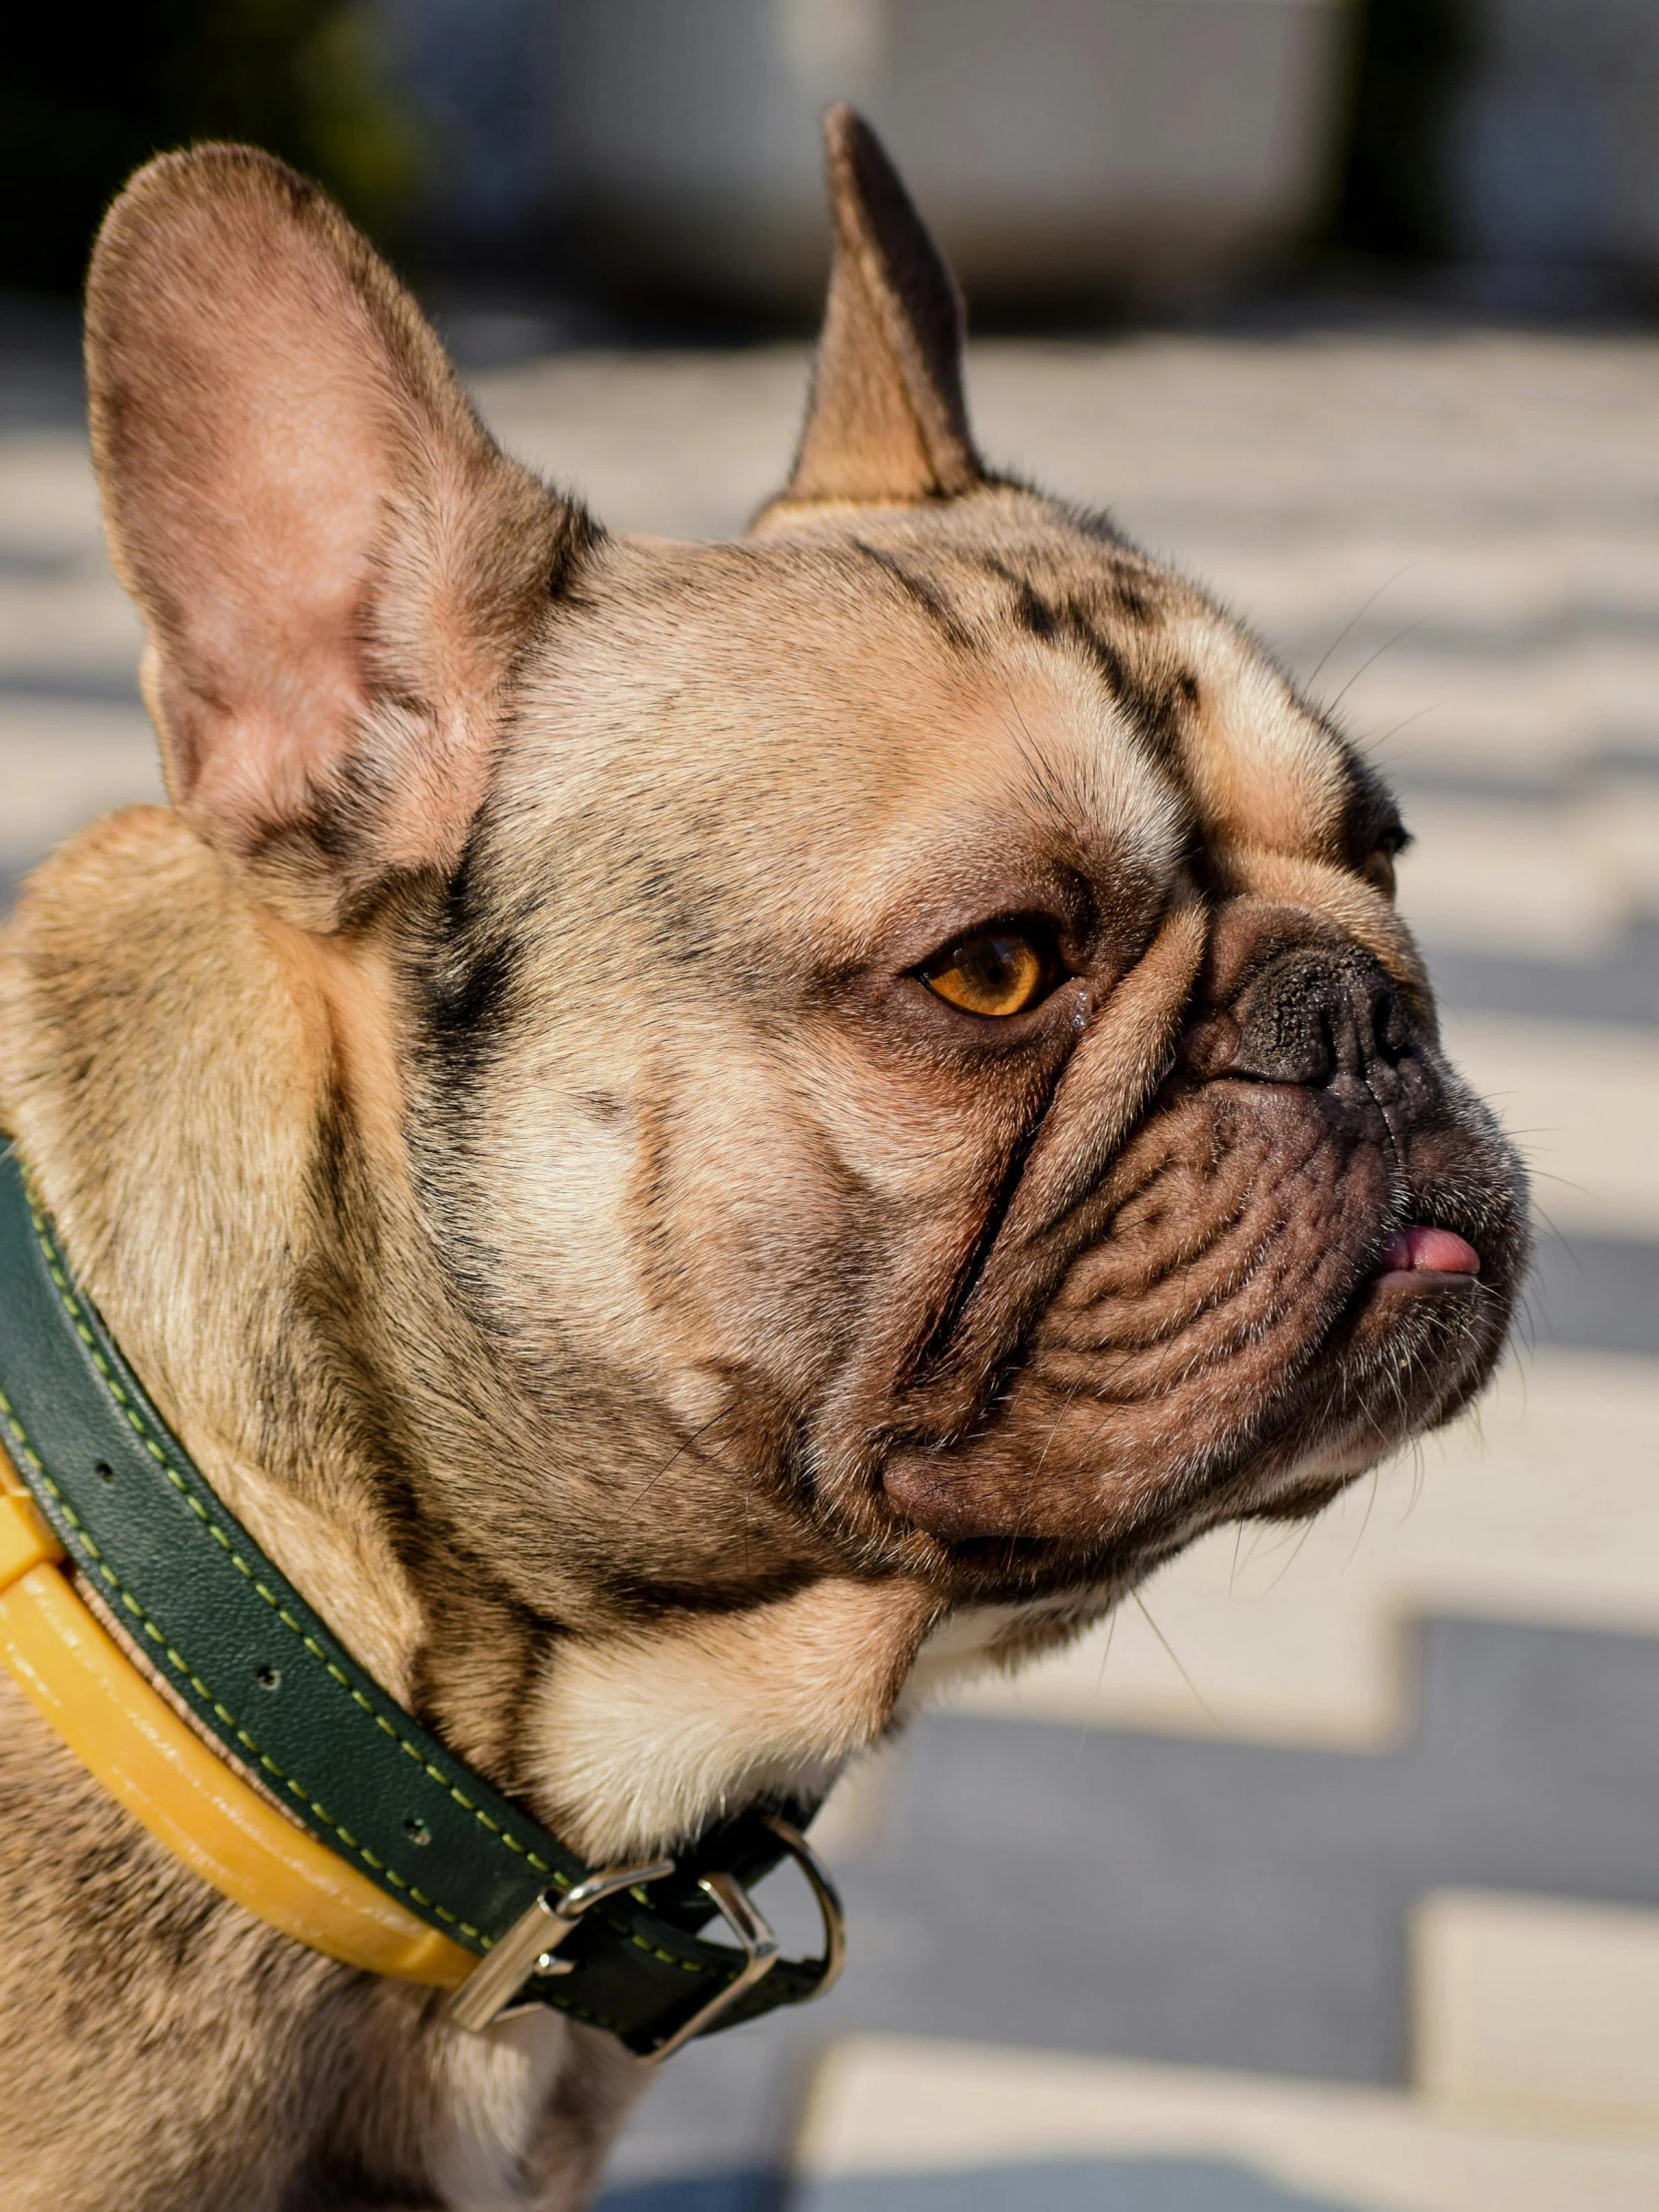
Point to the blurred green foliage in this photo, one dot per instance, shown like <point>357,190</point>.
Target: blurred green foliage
<point>86,96</point>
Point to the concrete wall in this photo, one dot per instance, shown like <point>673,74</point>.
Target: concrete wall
<point>1555,153</point>
<point>1053,144</point>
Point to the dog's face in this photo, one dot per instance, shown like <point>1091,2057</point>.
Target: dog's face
<point>949,1011</point>
<point>909,1064</point>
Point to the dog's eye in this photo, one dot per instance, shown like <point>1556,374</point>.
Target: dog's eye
<point>1378,867</point>
<point>997,973</point>
<point>1378,872</point>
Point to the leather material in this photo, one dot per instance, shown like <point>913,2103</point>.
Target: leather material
<point>265,1677</point>
<point>175,1782</point>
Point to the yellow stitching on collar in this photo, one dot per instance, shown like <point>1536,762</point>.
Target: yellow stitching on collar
<point>134,1413</point>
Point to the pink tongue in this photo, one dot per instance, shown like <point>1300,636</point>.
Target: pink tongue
<point>1417,1251</point>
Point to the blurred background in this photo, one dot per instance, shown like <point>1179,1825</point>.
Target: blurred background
<point>1330,1878</point>
<point>1082,160</point>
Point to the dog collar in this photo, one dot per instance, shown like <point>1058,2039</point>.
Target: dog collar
<point>398,1859</point>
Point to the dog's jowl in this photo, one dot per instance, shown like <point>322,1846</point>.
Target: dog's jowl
<point>664,1124</point>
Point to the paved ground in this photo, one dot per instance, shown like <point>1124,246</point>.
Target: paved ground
<point>1331,1878</point>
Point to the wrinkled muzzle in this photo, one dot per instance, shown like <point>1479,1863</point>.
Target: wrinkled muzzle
<point>1214,1327</point>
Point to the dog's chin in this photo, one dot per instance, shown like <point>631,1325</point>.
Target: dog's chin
<point>1404,1352</point>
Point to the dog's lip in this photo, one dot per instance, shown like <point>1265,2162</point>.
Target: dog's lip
<point>1420,1258</point>
<point>1416,1260</point>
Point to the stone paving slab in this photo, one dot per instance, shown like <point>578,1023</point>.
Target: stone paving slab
<point>1579,1099</point>
<point>901,2126</point>
<point>1538,2009</point>
<point>63,763</point>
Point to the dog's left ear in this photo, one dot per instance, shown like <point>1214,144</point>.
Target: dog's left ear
<point>886,424</point>
<point>337,567</point>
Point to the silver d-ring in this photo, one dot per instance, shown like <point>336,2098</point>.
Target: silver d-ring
<point>823,1890</point>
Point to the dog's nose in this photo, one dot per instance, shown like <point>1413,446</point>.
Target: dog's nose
<point>1311,1014</point>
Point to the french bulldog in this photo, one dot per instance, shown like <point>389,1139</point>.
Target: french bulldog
<point>691,1135</point>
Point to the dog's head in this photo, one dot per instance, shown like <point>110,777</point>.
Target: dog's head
<point>907,1065</point>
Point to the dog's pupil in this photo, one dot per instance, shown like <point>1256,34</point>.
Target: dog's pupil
<point>994,964</point>
<point>995,972</point>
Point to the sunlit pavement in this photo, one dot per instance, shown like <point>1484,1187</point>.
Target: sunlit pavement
<point>1331,1877</point>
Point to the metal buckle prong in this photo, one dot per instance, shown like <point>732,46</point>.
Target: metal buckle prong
<point>530,1944</point>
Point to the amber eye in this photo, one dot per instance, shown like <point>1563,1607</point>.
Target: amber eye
<point>995,971</point>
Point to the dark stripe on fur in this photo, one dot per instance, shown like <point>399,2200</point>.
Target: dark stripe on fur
<point>924,594</point>
<point>1157,704</point>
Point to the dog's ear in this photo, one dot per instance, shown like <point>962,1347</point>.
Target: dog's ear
<point>886,423</point>
<point>335,565</point>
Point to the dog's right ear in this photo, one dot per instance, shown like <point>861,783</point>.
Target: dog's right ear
<point>886,424</point>
<point>335,565</point>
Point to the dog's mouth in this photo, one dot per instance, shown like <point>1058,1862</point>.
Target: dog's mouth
<point>1279,1291</point>
<point>1422,1257</point>
<point>1424,1262</point>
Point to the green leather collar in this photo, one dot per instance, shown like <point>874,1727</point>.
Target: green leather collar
<point>622,1949</point>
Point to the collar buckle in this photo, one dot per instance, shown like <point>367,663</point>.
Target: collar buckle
<point>532,1943</point>
<point>531,1946</point>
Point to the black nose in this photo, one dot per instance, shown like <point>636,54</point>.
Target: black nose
<point>1314,1013</point>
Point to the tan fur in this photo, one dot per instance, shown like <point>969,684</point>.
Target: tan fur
<point>766,1700</point>
<point>1354,907</point>
<point>501,1115</point>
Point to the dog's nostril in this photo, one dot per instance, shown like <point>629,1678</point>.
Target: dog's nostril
<point>1314,1013</point>
<point>1310,1016</point>
<point>1376,1013</point>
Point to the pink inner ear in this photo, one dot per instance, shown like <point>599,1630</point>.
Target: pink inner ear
<point>335,562</point>
<point>282,616</point>
<point>257,491</point>
<point>332,557</point>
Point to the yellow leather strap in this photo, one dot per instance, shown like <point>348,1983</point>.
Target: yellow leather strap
<point>86,1688</point>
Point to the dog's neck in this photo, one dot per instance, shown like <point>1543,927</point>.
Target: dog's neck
<point>210,1101</point>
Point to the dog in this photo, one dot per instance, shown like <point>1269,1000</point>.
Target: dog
<point>692,1136</point>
